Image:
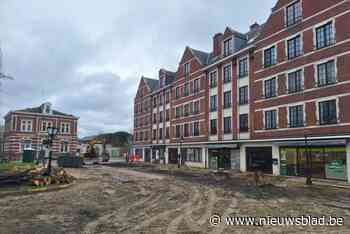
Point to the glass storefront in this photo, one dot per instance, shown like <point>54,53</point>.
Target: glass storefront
<point>327,162</point>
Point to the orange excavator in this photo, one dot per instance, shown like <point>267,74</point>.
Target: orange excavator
<point>92,151</point>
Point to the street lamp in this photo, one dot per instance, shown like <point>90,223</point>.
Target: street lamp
<point>52,133</point>
<point>179,155</point>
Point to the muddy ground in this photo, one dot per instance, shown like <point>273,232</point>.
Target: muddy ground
<point>151,199</point>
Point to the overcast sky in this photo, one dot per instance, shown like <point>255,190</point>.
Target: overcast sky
<point>86,57</point>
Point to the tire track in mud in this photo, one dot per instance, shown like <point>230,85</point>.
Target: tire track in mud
<point>187,211</point>
<point>109,217</point>
<point>165,214</point>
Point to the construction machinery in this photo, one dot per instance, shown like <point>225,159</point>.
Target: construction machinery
<point>93,153</point>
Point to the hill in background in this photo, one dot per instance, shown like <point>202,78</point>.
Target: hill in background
<point>117,139</point>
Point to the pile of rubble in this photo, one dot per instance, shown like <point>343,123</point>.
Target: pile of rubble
<point>36,176</point>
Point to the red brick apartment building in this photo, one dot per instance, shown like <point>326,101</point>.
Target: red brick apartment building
<point>264,99</point>
<point>27,128</point>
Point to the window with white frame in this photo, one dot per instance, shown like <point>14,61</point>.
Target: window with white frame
<point>196,85</point>
<point>227,99</point>
<point>227,125</point>
<point>243,68</point>
<point>295,81</point>
<point>325,35</point>
<point>45,125</point>
<point>243,95</point>
<point>228,47</point>
<point>213,103</point>
<point>243,123</point>
<point>293,13</point>
<point>326,74</point>
<point>26,125</point>
<point>196,128</point>
<point>270,56</point>
<point>296,116</point>
<point>65,128</point>
<point>270,88</point>
<point>294,47</point>
<point>196,107</point>
<point>271,119</point>
<point>328,112</point>
<point>64,148</point>
<point>26,144</point>
<point>213,80</point>
<point>227,74</point>
<point>187,68</point>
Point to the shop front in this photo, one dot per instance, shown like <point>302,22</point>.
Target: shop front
<point>327,161</point>
<point>223,157</point>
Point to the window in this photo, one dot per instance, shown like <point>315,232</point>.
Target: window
<point>64,147</point>
<point>167,97</point>
<point>186,89</point>
<point>213,104</point>
<point>193,155</point>
<point>187,110</point>
<point>270,88</point>
<point>328,112</point>
<point>27,125</point>
<point>154,102</point>
<point>227,125</point>
<point>177,112</point>
<point>293,13</point>
<point>196,107</point>
<point>177,92</point>
<point>26,144</point>
<point>213,80</point>
<point>186,130</point>
<point>227,74</point>
<point>161,117</point>
<point>326,73</point>
<point>154,118</point>
<point>228,47</point>
<point>270,56</point>
<point>167,133</point>
<point>45,125</point>
<point>227,99</point>
<point>325,36</point>
<point>196,129</point>
<point>196,86</point>
<point>294,47</point>
<point>243,95</point>
<point>65,128</point>
<point>160,133</point>
<point>178,131</point>
<point>154,134</point>
<point>213,127</point>
<point>295,81</point>
<point>243,123</point>
<point>271,119</point>
<point>296,116</point>
<point>187,68</point>
<point>160,99</point>
<point>167,115</point>
<point>243,68</point>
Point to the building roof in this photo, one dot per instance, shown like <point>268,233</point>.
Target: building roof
<point>38,110</point>
<point>201,55</point>
<point>153,84</point>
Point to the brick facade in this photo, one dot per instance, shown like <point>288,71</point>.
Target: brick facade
<point>16,134</point>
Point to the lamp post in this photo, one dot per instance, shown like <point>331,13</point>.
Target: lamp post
<point>179,154</point>
<point>308,163</point>
<point>52,133</point>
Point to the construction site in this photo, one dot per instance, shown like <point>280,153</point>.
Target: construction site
<point>143,198</point>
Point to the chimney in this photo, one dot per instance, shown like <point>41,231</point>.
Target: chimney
<point>254,27</point>
<point>217,44</point>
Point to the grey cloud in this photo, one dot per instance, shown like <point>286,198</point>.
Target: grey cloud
<point>87,56</point>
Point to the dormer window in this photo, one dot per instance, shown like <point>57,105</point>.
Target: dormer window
<point>46,108</point>
<point>293,13</point>
<point>228,47</point>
